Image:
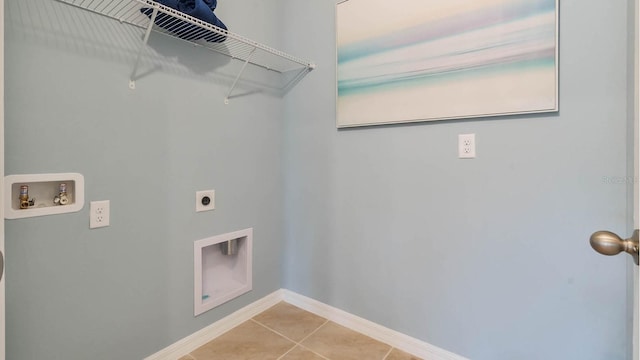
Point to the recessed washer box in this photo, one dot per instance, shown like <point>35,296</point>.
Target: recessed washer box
<point>43,189</point>
<point>221,275</point>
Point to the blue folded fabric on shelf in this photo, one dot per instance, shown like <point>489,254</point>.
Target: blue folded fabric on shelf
<point>211,4</point>
<point>200,9</point>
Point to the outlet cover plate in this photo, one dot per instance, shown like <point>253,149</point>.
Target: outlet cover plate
<point>467,146</point>
<point>98,214</point>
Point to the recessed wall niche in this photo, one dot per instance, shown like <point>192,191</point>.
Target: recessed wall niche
<point>222,269</point>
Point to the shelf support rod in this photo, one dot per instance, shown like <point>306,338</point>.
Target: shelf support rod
<point>132,81</point>
<point>233,86</point>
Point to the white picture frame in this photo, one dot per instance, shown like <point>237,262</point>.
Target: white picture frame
<point>426,60</point>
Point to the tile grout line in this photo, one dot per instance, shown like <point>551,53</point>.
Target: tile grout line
<point>388,352</point>
<point>288,351</point>
<point>306,348</point>
<point>311,334</point>
<point>279,334</point>
<point>273,331</point>
<point>295,342</point>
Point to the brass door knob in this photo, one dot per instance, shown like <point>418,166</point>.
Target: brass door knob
<point>608,243</point>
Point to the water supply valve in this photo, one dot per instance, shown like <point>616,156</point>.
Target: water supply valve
<point>61,198</point>
<point>25,202</point>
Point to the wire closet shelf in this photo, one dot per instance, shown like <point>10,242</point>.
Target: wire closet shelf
<point>152,16</point>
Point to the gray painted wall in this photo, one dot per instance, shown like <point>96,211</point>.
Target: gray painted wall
<point>126,291</point>
<point>488,258</point>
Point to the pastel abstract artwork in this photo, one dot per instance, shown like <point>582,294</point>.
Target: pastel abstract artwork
<point>423,60</point>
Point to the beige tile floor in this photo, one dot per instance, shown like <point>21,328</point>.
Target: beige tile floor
<point>290,333</point>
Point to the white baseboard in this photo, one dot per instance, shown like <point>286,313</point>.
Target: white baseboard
<point>391,337</point>
<point>201,337</point>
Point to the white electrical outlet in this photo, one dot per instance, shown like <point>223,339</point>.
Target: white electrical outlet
<point>98,214</point>
<point>205,200</point>
<point>467,146</point>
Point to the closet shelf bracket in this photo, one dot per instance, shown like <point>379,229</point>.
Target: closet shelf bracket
<point>132,78</point>
<point>233,86</point>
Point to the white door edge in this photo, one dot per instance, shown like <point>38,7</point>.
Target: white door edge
<point>636,173</point>
<point>2,282</point>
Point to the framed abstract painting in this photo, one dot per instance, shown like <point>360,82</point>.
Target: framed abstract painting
<point>424,60</point>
